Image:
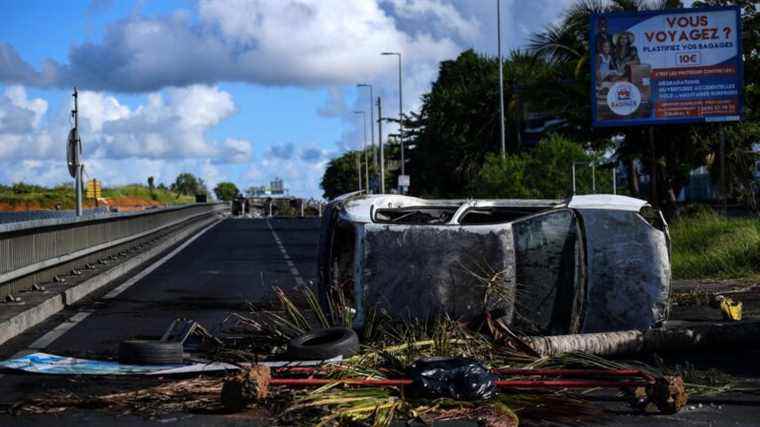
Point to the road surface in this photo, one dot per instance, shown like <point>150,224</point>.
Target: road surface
<point>235,262</point>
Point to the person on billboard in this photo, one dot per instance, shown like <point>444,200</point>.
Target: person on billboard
<point>605,69</point>
<point>601,34</point>
<point>625,52</point>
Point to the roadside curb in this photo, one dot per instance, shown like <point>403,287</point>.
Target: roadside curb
<point>35,315</point>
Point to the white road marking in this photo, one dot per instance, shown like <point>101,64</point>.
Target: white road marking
<point>291,265</point>
<point>126,285</point>
<point>47,339</point>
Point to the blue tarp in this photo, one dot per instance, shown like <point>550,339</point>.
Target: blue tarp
<point>43,363</point>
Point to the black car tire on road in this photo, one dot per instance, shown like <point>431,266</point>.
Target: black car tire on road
<point>149,352</point>
<point>321,344</point>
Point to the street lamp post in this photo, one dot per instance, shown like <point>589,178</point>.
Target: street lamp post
<point>364,146</point>
<point>380,142</point>
<point>400,109</point>
<point>501,80</point>
<point>371,120</point>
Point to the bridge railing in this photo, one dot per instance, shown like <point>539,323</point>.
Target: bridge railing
<point>30,247</point>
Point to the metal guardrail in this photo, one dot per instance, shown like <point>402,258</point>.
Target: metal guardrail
<point>33,246</point>
<point>21,216</point>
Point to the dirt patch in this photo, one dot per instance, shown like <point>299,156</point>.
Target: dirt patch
<point>20,206</point>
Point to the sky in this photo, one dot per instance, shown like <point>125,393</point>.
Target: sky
<point>229,90</point>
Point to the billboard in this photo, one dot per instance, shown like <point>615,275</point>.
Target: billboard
<point>671,66</point>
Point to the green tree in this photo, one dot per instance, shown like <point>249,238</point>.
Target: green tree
<point>341,177</point>
<point>226,191</point>
<point>544,172</point>
<point>502,178</point>
<point>458,124</point>
<point>189,185</point>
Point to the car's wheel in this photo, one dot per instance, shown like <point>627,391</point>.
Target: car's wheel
<point>324,344</point>
<point>150,352</point>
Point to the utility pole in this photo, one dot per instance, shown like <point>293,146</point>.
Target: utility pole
<point>400,109</point>
<point>501,81</point>
<point>372,121</point>
<point>364,146</point>
<point>75,150</point>
<point>380,141</point>
<point>358,169</point>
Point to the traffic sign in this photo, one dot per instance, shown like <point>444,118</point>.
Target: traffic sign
<point>94,190</point>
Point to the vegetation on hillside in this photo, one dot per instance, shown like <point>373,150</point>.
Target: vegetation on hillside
<point>21,196</point>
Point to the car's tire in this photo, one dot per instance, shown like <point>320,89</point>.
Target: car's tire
<point>150,352</point>
<point>321,344</point>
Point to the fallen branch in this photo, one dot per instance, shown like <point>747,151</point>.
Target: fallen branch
<point>690,337</point>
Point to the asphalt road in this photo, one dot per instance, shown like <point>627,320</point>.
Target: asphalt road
<point>236,262</point>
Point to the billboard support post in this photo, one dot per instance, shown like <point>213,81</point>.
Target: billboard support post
<point>653,168</point>
<point>723,189</point>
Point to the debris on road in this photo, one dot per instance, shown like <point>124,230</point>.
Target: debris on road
<point>508,377</point>
<point>731,310</point>
<point>151,352</point>
<point>325,343</point>
<point>245,388</point>
<point>50,364</point>
<point>458,379</point>
<point>679,337</point>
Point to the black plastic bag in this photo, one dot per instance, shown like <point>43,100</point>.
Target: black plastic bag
<point>459,379</point>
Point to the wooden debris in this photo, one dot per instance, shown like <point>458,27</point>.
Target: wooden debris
<point>245,388</point>
<point>688,337</point>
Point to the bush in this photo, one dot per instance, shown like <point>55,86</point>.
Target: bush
<point>503,178</point>
<point>544,172</point>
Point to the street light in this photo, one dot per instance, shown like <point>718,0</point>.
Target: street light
<point>372,121</point>
<point>501,80</point>
<point>364,145</point>
<point>400,109</point>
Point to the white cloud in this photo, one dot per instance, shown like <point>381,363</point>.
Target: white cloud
<point>441,16</point>
<point>170,125</point>
<point>236,150</point>
<point>161,137</point>
<point>17,96</point>
<point>306,42</point>
<point>99,108</point>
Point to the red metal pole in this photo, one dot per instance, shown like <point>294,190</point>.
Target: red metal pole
<point>501,384</point>
<point>525,372</point>
<point>574,372</point>
<point>349,381</point>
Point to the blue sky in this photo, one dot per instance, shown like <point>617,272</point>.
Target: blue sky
<point>238,90</point>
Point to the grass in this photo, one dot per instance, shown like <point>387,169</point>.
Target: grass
<point>707,245</point>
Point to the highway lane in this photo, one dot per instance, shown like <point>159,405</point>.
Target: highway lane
<point>236,262</point>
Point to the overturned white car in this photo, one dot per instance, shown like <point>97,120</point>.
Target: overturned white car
<point>587,264</point>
